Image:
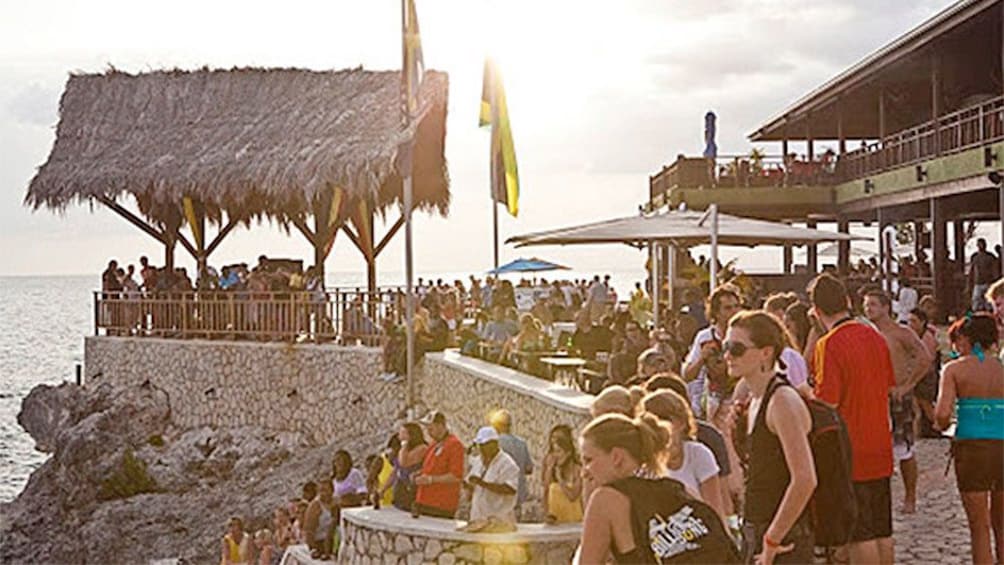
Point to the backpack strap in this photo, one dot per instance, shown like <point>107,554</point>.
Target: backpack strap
<point>776,382</point>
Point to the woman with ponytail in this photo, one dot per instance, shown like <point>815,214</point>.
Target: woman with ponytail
<point>633,515</point>
<point>780,473</point>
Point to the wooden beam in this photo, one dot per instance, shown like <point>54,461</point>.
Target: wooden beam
<point>304,230</point>
<point>353,237</point>
<point>388,236</point>
<point>186,244</point>
<point>231,224</point>
<point>132,218</point>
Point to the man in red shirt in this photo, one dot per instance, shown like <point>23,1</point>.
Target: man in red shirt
<point>853,371</point>
<point>442,470</point>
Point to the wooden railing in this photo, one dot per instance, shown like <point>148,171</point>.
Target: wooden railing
<point>964,129</point>
<point>342,316</point>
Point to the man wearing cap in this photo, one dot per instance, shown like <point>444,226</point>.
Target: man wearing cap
<point>494,478</point>
<point>438,483</point>
<point>515,447</point>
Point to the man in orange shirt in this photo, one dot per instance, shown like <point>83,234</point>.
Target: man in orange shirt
<point>442,472</point>
<point>853,371</point>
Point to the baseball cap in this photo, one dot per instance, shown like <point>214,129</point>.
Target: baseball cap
<point>434,417</point>
<point>486,434</point>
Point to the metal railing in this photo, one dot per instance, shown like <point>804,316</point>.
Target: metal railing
<point>341,316</point>
<point>960,130</point>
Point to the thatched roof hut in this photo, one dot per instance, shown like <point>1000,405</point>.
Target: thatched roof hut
<point>249,142</point>
<point>286,144</point>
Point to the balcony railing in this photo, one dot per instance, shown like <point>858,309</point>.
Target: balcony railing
<point>342,316</point>
<point>964,129</point>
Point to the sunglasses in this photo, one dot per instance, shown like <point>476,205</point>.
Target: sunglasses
<point>735,348</point>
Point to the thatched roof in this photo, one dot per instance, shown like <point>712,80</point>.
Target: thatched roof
<point>249,141</point>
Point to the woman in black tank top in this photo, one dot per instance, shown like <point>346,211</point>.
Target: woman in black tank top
<point>780,475</point>
<point>635,516</point>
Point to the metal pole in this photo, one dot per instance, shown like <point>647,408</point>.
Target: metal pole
<point>713,267</point>
<point>495,230</point>
<point>1000,213</point>
<point>670,251</point>
<point>653,260</point>
<point>409,292</point>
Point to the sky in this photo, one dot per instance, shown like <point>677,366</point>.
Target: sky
<point>601,95</point>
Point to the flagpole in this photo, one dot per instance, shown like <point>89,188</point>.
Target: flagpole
<point>407,189</point>
<point>495,225</point>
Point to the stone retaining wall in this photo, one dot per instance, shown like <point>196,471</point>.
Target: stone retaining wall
<point>390,536</point>
<point>468,389</point>
<point>323,392</point>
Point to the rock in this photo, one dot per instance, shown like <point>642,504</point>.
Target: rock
<point>515,554</point>
<point>432,549</point>
<point>492,555</point>
<point>414,559</point>
<point>402,545</point>
<point>468,552</point>
<point>446,559</point>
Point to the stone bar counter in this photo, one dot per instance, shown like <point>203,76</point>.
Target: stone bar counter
<point>388,535</point>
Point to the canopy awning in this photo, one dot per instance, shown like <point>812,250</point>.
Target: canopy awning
<point>531,265</point>
<point>683,229</point>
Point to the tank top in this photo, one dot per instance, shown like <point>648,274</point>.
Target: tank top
<point>670,526</point>
<point>323,523</point>
<point>768,476</point>
<point>234,549</point>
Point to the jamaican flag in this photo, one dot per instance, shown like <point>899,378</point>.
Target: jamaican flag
<point>505,175</point>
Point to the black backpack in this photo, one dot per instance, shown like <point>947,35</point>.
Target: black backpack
<point>833,508</point>
<point>670,526</point>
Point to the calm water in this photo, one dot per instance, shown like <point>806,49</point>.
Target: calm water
<point>45,320</point>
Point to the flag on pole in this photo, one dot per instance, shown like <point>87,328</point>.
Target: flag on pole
<point>494,112</point>
<point>414,65</point>
<point>193,223</point>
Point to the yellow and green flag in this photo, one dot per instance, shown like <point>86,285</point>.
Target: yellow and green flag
<point>494,112</point>
<point>413,64</point>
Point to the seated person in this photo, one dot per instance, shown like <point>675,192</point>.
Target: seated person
<point>498,331</point>
<point>348,483</point>
<point>589,339</point>
<point>530,338</point>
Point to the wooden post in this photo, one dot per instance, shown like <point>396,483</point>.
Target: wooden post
<point>883,252</point>
<point>841,138</point>
<point>936,99</point>
<point>171,225</point>
<point>939,255</point>
<point>784,155</point>
<point>812,266</point>
<point>371,279</point>
<point>881,113</point>
<point>843,247</point>
<point>323,232</point>
<point>809,142</point>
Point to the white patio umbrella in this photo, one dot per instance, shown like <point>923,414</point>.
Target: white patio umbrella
<point>683,228</point>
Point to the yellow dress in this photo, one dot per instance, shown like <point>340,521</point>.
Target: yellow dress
<point>238,552</point>
<point>385,472</point>
<point>559,506</point>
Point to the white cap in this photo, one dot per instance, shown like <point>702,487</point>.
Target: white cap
<point>486,434</point>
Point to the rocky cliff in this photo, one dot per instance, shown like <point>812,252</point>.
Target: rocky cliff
<point>123,485</point>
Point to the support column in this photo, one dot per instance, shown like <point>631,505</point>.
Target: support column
<point>787,259</point>
<point>939,255</point>
<point>936,99</point>
<point>784,155</point>
<point>843,248</point>
<point>809,142</point>
<point>881,113</point>
<point>918,240</point>
<point>812,255</point>
<point>841,138</point>
<point>171,225</point>
<point>883,250</point>
<point>371,279</point>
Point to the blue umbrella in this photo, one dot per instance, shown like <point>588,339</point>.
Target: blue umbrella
<point>530,265</point>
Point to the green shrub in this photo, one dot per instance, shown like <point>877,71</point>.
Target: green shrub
<point>129,479</point>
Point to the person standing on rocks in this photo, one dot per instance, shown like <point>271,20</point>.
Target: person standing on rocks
<point>439,482</point>
<point>319,520</point>
<point>236,545</point>
<point>515,447</point>
<point>910,361</point>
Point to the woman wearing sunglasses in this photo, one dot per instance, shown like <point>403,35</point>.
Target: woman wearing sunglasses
<point>780,475</point>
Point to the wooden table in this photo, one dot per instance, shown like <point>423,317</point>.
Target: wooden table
<point>566,367</point>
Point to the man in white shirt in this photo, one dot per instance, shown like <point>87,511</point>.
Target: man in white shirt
<point>494,479</point>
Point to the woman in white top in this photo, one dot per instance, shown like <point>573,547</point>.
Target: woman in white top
<point>688,461</point>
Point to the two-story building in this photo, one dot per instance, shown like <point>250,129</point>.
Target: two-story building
<point>916,131</point>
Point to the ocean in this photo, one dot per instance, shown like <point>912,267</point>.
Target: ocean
<point>46,320</point>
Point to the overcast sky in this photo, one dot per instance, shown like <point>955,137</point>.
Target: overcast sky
<point>601,95</point>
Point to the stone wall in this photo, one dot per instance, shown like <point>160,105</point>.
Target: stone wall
<point>468,389</point>
<point>390,536</point>
<point>329,392</point>
<point>323,392</point>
